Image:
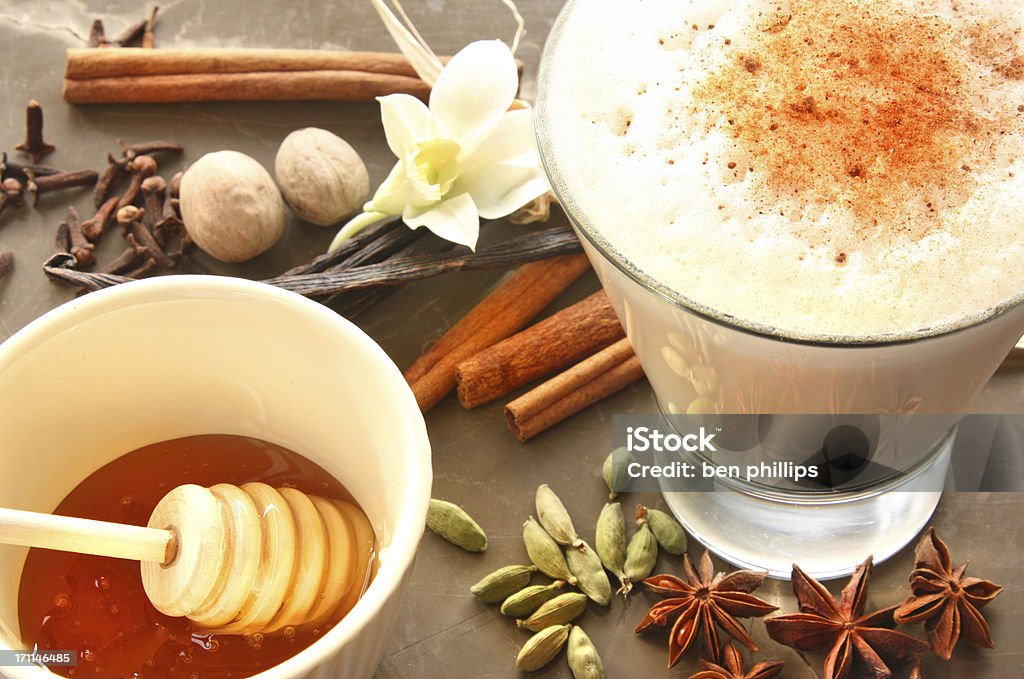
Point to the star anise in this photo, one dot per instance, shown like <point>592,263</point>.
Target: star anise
<point>948,601</point>
<point>851,635</point>
<point>703,603</point>
<point>731,667</point>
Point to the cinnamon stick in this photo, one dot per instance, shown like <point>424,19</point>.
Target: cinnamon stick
<point>586,383</point>
<point>504,311</point>
<point>138,75</point>
<point>88,64</point>
<point>555,343</point>
<point>255,86</point>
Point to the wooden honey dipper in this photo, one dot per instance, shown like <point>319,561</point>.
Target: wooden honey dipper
<point>233,559</point>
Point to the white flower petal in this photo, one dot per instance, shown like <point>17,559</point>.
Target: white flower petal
<point>454,219</point>
<point>474,91</point>
<point>501,189</point>
<point>406,122</point>
<point>511,140</point>
<point>393,193</point>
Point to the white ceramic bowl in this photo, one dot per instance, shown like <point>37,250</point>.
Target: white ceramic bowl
<point>182,355</point>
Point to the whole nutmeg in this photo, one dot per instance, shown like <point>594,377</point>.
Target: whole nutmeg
<point>231,206</point>
<point>322,178</point>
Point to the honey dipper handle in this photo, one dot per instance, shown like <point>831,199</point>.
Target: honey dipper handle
<point>85,536</point>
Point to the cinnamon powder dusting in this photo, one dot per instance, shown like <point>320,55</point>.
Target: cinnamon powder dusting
<point>858,103</point>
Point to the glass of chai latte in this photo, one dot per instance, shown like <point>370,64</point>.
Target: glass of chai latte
<point>801,207</point>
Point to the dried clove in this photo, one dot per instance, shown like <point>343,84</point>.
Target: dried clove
<point>34,146</point>
<point>81,248</point>
<point>175,185</point>
<point>11,193</point>
<point>162,215</point>
<point>62,240</point>
<point>128,260</point>
<point>93,228</point>
<point>147,36</point>
<point>142,269</point>
<point>130,218</point>
<point>171,211</point>
<point>12,170</point>
<point>6,262</point>
<point>147,148</point>
<point>153,191</point>
<point>97,36</point>
<point>132,34</point>
<point>141,168</point>
<point>115,168</point>
<point>37,186</point>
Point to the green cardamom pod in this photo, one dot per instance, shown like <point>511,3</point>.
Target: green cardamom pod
<point>641,555</point>
<point>542,647</point>
<point>527,600</point>
<point>554,517</point>
<point>586,565</point>
<point>667,531</point>
<point>497,586</point>
<point>610,539</point>
<point>560,610</point>
<point>545,553</point>
<point>584,661</point>
<point>607,472</point>
<point>614,471</point>
<point>451,522</point>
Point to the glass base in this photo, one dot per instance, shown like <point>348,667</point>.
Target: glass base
<point>828,537</point>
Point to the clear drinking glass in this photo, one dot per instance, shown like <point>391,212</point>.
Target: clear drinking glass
<point>701,362</point>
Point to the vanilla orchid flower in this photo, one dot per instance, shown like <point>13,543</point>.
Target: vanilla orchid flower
<point>465,157</point>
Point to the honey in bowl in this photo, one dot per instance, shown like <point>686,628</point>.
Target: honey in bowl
<point>97,606</point>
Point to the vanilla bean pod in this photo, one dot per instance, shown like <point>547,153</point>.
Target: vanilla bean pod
<point>380,249</point>
<point>528,248</point>
<point>57,268</point>
<point>348,248</point>
<point>352,304</point>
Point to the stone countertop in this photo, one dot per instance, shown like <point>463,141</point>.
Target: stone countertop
<point>442,630</point>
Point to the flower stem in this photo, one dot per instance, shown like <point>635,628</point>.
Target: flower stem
<point>354,226</point>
